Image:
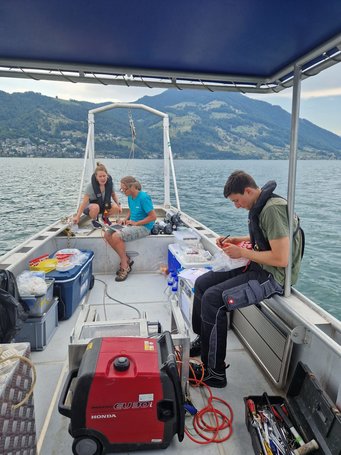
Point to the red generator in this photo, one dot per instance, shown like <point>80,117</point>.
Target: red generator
<point>126,395</point>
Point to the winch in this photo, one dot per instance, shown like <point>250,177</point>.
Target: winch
<point>125,395</point>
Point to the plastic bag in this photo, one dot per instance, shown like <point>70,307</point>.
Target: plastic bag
<point>223,263</point>
<point>195,253</point>
<point>72,255</point>
<point>31,284</point>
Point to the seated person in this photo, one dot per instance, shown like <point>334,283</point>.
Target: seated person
<point>100,197</point>
<point>269,235</point>
<point>138,223</point>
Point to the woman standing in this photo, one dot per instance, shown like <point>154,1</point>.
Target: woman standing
<point>100,197</point>
<point>138,223</point>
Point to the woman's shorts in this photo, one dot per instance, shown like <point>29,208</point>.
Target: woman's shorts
<point>87,209</point>
<point>129,233</point>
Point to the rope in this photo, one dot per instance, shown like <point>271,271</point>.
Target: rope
<point>29,363</point>
<point>133,135</point>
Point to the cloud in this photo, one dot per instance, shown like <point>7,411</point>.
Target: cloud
<point>78,91</point>
<point>322,93</point>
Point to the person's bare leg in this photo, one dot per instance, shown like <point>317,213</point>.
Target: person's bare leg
<point>119,246</point>
<point>93,211</point>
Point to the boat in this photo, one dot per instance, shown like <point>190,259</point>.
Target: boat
<point>218,45</point>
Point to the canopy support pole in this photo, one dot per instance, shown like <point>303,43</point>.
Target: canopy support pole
<point>167,150</point>
<point>168,161</point>
<point>295,115</point>
<point>89,152</point>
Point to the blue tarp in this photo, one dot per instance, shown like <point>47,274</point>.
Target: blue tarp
<point>214,40</point>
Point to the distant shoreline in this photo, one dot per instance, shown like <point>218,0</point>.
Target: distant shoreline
<point>100,157</point>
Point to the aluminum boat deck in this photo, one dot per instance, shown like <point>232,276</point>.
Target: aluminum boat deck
<point>244,375</point>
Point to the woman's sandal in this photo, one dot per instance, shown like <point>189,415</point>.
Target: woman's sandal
<point>123,274</point>
<point>130,263</point>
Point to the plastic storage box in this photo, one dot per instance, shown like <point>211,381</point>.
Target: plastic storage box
<point>72,285</point>
<point>39,304</point>
<point>186,236</point>
<point>186,297</point>
<point>177,259</point>
<point>39,331</point>
<point>307,408</point>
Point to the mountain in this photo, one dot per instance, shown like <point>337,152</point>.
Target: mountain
<point>203,125</point>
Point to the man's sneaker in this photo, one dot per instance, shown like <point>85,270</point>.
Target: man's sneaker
<point>212,378</point>
<point>195,347</point>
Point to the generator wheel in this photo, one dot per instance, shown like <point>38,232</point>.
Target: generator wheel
<point>87,445</point>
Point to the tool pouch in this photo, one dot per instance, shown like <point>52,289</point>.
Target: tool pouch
<point>250,293</point>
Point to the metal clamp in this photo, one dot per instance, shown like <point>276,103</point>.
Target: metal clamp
<point>300,335</point>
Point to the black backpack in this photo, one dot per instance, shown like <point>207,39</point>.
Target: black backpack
<point>13,313</point>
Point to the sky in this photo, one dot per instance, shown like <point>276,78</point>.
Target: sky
<point>320,95</point>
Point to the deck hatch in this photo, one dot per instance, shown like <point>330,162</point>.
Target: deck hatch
<point>25,249</point>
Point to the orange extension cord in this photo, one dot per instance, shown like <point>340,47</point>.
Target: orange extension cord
<point>209,432</point>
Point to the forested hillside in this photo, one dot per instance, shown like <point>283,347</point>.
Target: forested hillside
<point>203,125</point>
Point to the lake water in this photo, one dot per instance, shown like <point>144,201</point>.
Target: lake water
<point>36,192</point>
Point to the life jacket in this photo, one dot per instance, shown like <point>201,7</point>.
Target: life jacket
<point>259,242</point>
<point>104,204</point>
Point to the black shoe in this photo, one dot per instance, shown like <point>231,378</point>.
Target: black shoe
<point>195,347</point>
<point>212,378</point>
<point>97,224</point>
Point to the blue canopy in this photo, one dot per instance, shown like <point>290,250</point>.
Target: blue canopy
<point>244,45</point>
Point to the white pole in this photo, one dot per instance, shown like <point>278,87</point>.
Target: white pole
<point>89,142</point>
<point>173,171</point>
<point>92,141</point>
<point>295,115</point>
<point>166,158</point>
<point>167,151</point>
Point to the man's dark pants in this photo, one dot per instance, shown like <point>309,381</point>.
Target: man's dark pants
<point>209,310</point>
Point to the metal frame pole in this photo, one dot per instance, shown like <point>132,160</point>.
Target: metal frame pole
<point>87,154</point>
<point>166,158</point>
<point>292,169</point>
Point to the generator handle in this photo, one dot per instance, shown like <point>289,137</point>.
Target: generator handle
<point>66,410</point>
<point>169,365</point>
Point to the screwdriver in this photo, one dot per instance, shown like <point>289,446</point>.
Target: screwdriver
<point>256,423</point>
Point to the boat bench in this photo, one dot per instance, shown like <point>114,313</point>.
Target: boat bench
<point>149,253</point>
<point>267,338</point>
